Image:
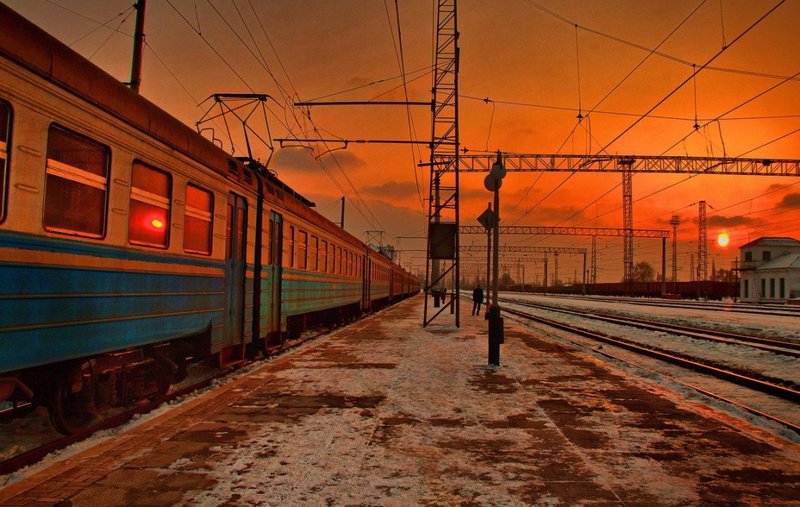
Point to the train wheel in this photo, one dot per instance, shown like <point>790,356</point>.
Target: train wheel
<point>72,400</point>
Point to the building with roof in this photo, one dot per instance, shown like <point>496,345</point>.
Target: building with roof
<point>770,270</point>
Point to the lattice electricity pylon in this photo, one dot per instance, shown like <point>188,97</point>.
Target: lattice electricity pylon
<point>441,264</point>
<point>702,243</point>
<point>549,230</point>
<point>627,223</point>
<point>593,276</point>
<point>527,249</point>
<point>675,222</point>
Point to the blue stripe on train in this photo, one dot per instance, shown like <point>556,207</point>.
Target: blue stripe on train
<point>24,349</point>
<point>49,314</point>
<point>318,293</point>
<point>33,311</point>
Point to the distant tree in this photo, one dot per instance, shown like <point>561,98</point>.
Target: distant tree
<point>505,281</point>
<point>643,272</point>
<point>725,275</point>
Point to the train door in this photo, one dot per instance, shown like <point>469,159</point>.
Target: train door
<point>365,282</point>
<point>368,291</point>
<point>275,271</point>
<point>235,266</point>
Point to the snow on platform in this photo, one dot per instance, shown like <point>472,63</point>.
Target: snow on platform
<point>386,413</point>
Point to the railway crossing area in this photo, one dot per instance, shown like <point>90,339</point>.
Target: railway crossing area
<point>386,413</point>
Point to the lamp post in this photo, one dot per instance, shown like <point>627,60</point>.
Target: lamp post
<point>493,182</point>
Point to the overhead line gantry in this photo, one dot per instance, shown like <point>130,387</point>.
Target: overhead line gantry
<point>635,163</point>
<point>583,231</point>
<point>628,165</point>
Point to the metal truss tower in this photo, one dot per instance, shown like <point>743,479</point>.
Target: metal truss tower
<point>627,223</point>
<point>675,222</point>
<point>702,244</point>
<point>593,277</point>
<point>441,266</point>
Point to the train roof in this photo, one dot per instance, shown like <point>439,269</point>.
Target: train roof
<point>23,42</point>
<point>31,47</point>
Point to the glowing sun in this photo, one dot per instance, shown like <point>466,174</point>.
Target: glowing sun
<point>723,239</point>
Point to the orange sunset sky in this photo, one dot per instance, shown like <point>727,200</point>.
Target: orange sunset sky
<point>525,57</point>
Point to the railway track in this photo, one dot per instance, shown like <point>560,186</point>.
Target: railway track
<point>784,347</point>
<point>36,454</point>
<point>755,382</point>
<point>764,309</point>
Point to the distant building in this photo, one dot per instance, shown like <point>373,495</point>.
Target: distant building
<point>770,270</point>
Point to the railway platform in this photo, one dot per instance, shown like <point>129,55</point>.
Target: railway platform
<point>386,413</point>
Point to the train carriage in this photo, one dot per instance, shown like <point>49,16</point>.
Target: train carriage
<point>130,244</point>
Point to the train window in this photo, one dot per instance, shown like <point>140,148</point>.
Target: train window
<point>76,185</point>
<point>349,263</point>
<point>148,219</point>
<point>312,254</point>
<point>332,264</point>
<point>197,221</point>
<point>323,257</point>
<point>5,134</point>
<point>302,249</point>
<point>339,258</point>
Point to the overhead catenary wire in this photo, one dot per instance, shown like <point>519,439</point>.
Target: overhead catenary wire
<point>618,113</point>
<point>604,98</point>
<point>682,83</point>
<point>211,47</point>
<point>646,49</point>
<point>727,112</point>
<point>102,44</point>
<point>282,90</point>
<point>100,25</point>
<point>399,53</point>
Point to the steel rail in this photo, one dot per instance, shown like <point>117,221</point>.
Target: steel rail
<point>767,344</point>
<point>755,310</point>
<point>783,392</point>
<point>787,424</point>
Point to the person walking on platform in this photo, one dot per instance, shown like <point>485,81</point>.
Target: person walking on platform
<point>477,299</point>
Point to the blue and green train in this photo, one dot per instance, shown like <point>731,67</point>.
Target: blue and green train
<point>130,245</point>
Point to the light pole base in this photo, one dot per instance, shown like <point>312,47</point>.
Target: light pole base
<point>496,335</point>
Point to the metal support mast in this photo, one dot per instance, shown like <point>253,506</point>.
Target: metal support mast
<point>443,212</point>
<point>702,244</point>
<point>138,47</point>
<point>594,260</point>
<point>627,224</point>
<point>675,222</point>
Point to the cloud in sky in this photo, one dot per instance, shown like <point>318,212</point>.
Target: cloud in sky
<point>294,158</point>
<point>395,189</point>
<point>790,201</point>
<point>302,159</point>
<point>720,221</point>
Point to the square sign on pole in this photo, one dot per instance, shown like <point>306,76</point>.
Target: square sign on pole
<point>443,241</point>
<point>487,218</point>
